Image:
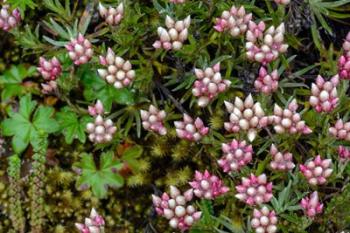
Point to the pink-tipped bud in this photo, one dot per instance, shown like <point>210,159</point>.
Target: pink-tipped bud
<point>317,171</point>
<point>79,50</point>
<point>311,205</point>
<point>254,190</point>
<point>207,186</point>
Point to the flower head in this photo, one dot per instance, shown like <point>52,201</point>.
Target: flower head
<point>207,186</point>
<point>266,83</point>
<point>112,15</point>
<point>49,69</point>
<point>79,50</point>
<point>265,46</point>
<point>317,171</point>
<point>118,72</point>
<point>174,36</point>
<point>245,116</point>
<point>324,96</point>
<point>281,161</point>
<point>340,130</point>
<point>254,190</point>
<point>209,84</point>
<point>311,205</point>
<point>153,120</point>
<point>288,120</point>
<point>189,129</point>
<point>264,220</point>
<point>236,155</point>
<point>234,21</point>
<point>9,19</point>
<point>175,208</point>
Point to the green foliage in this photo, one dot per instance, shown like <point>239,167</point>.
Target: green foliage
<point>26,124</point>
<point>71,125</point>
<point>11,82</point>
<point>100,177</point>
<point>22,5</point>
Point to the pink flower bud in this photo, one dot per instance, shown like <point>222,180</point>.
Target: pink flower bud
<point>190,130</point>
<point>49,69</point>
<point>94,224</point>
<point>176,209</point>
<point>324,96</point>
<point>174,36</point>
<point>79,50</point>
<point>344,154</point>
<point>236,155</point>
<point>112,16</point>
<point>245,116</point>
<point>340,130</point>
<point>234,22</point>
<point>264,47</point>
<point>266,83</point>
<point>281,161</point>
<point>153,120</point>
<point>207,186</point>
<point>264,220</point>
<point>311,205</point>
<point>317,171</point>
<point>254,190</point>
<point>9,20</point>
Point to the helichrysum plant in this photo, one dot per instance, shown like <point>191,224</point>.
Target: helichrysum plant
<point>174,116</point>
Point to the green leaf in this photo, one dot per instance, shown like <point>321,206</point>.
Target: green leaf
<point>12,79</point>
<point>131,155</point>
<point>26,106</point>
<point>23,130</point>
<point>99,179</point>
<point>72,127</point>
<point>43,120</point>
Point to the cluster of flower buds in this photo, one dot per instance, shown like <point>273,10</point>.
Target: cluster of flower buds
<point>207,186</point>
<point>153,120</point>
<point>317,171</point>
<point>288,120</point>
<point>282,2</point>
<point>112,15</point>
<point>49,87</point>
<point>49,69</point>
<point>324,96</point>
<point>189,129</point>
<point>344,154</point>
<point>311,205</point>
<point>174,207</point>
<point>247,116</point>
<point>265,47</point>
<point>119,72</point>
<point>264,220</point>
<point>281,161</point>
<point>175,36</point>
<point>266,83</point>
<point>341,130</point>
<point>254,190</point>
<point>236,155</point>
<point>177,1</point>
<point>79,50</point>
<point>94,224</point>
<point>234,21</point>
<point>101,130</point>
<point>209,84</point>
<point>9,20</point>
<point>344,60</point>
